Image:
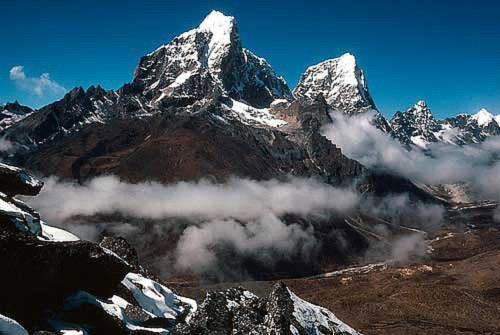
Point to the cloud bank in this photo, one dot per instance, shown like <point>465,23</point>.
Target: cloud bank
<point>440,164</point>
<point>242,216</point>
<point>40,87</point>
<point>240,199</point>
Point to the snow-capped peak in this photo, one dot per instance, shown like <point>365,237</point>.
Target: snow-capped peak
<point>483,117</point>
<point>217,22</point>
<point>340,81</point>
<point>420,104</point>
<point>347,66</point>
<point>208,61</point>
<point>421,109</point>
<point>220,27</point>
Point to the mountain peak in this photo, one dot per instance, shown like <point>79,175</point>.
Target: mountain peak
<point>216,21</point>
<point>341,82</point>
<point>221,27</point>
<point>483,117</point>
<point>420,104</point>
<point>207,61</point>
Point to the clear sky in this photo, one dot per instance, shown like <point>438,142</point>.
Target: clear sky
<point>445,52</point>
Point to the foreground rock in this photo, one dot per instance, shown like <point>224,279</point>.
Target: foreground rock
<point>238,311</point>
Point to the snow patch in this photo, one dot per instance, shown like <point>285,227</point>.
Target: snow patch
<point>54,234</point>
<point>181,79</point>
<point>311,317</point>
<point>250,115</point>
<point>156,298</point>
<point>419,141</point>
<point>115,306</point>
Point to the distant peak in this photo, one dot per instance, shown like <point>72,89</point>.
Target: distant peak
<point>346,61</point>
<point>420,109</point>
<point>483,117</point>
<point>216,21</point>
<point>421,104</point>
<point>348,57</point>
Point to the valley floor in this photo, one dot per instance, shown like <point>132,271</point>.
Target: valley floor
<point>455,289</point>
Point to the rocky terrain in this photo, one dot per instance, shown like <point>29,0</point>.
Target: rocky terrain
<point>451,289</point>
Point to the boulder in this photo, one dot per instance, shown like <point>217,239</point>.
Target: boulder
<point>14,181</point>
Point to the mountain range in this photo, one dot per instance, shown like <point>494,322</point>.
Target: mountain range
<point>202,108</point>
<point>207,69</point>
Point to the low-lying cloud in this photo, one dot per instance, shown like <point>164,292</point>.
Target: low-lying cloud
<point>439,164</point>
<point>241,215</point>
<point>240,199</point>
<point>399,210</point>
<point>266,239</point>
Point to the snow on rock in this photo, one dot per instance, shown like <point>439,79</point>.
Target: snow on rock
<point>473,128</point>
<point>209,61</point>
<point>114,307</point>
<point>483,117</point>
<point>343,86</point>
<point>238,311</point>
<point>54,234</point>
<point>221,27</point>
<point>158,299</point>
<point>417,126</point>
<point>22,216</point>
<point>340,81</point>
<point>11,327</point>
<point>255,116</point>
<point>14,180</point>
<point>312,318</point>
<point>11,113</point>
<point>154,300</point>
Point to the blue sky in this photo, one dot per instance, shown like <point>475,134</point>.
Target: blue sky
<point>445,52</point>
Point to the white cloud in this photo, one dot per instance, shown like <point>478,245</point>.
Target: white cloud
<point>240,199</point>
<point>41,87</point>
